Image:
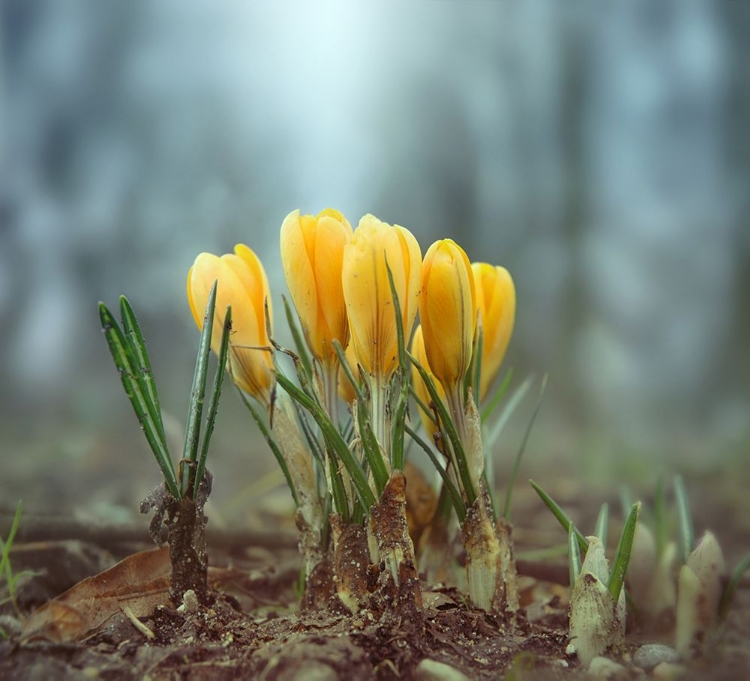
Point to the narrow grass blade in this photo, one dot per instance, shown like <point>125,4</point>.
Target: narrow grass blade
<point>312,440</point>
<point>271,443</point>
<point>624,549</point>
<point>299,341</point>
<point>522,449</point>
<point>197,394</point>
<point>574,556</point>
<point>142,363</point>
<point>498,396</point>
<point>508,410</point>
<point>448,486</point>
<point>213,402</point>
<point>118,348</point>
<point>562,518</point>
<point>6,545</point>
<point>450,431</point>
<point>602,521</point>
<point>731,588</point>
<point>338,491</point>
<point>336,445</point>
<point>684,519</point>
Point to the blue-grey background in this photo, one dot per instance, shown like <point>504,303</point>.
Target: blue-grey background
<point>599,150</point>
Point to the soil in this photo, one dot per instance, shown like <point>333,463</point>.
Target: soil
<point>255,629</point>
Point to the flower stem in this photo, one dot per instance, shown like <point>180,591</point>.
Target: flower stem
<point>330,390</point>
<point>378,416</point>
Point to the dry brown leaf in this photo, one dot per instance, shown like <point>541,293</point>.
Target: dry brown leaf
<point>140,581</point>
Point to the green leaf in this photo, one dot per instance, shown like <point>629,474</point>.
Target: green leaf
<point>450,430</point>
<point>272,444</point>
<point>336,445</point>
<point>574,556</point>
<point>498,396</point>
<point>624,549</point>
<point>475,371</point>
<point>371,448</point>
<point>728,596</point>
<point>602,521</point>
<point>684,519</point>
<point>448,486</point>
<point>522,449</point>
<point>562,518</point>
<point>213,402</point>
<point>299,341</point>
<point>119,349</point>
<point>399,417</point>
<point>144,373</point>
<point>197,394</point>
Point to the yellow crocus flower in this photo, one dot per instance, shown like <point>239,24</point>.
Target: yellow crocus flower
<point>242,283</point>
<point>372,322</point>
<point>447,311</point>
<point>417,349</point>
<point>312,252</point>
<point>496,304</point>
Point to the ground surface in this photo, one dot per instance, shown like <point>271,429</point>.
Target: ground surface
<point>255,628</point>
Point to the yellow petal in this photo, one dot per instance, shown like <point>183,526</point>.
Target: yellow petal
<point>496,304</point>
<point>448,311</point>
<point>242,283</point>
<point>311,254</point>
<point>369,304</point>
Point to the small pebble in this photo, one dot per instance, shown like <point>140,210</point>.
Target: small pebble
<point>430,670</point>
<point>652,654</point>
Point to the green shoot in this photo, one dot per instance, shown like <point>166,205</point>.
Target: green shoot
<point>685,519</point>
<point>562,518</point>
<point>123,354</point>
<point>522,449</point>
<point>197,393</point>
<point>515,399</point>
<point>624,549</point>
<point>601,524</point>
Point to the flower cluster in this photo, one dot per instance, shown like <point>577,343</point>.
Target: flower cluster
<point>357,294</point>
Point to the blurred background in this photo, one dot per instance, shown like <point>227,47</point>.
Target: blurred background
<point>599,151</point>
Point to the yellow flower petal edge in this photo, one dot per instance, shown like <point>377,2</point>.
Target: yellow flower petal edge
<point>372,322</point>
<point>312,252</point>
<point>447,311</point>
<point>496,305</point>
<point>242,283</point>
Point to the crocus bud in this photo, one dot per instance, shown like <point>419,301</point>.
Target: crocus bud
<point>698,596</point>
<point>496,304</point>
<point>447,311</point>
<point>372,321</point>
<point>417,349</point>
<point>312,252</point>
<point>242,283</point>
